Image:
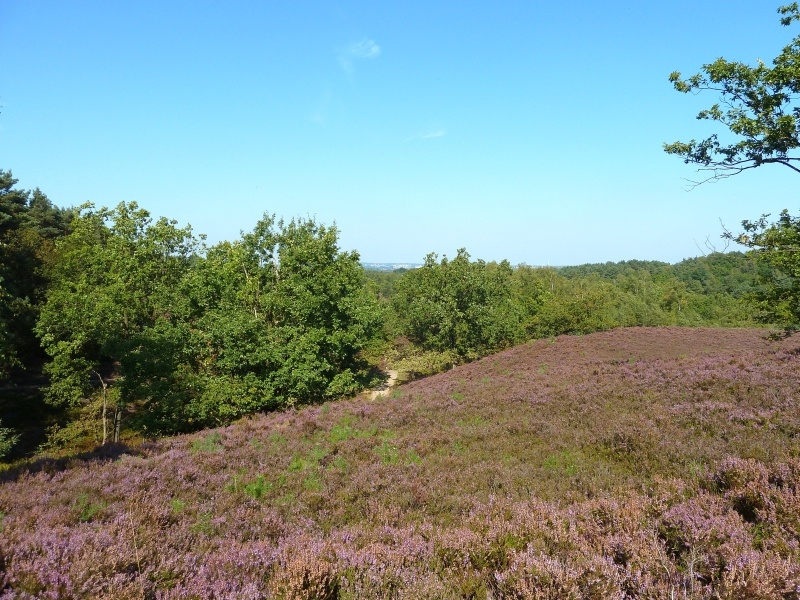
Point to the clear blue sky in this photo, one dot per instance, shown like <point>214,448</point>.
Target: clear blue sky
<point>530,130</point>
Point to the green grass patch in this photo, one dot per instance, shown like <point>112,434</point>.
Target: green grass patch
<point>412,458</point>
<point>288,499</point>
<point>565,462</point>
<point>88,510</point>
<point>473,421</point>
<point>308,461</point>
<point>258,488</point>
<point>312,482</point>
<point>203,524</point>
<point>345,430</point>
<point>299,463</point>
<point>209,443</point>
<point>388,453</point>
<point>277,439</point>
<point>340,463</point>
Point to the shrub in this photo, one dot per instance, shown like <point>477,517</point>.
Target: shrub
<point>7,440</point>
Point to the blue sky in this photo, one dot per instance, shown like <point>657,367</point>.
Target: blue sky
<point>530,131</point>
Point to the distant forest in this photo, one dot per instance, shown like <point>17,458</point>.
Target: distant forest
<point>115,325</point>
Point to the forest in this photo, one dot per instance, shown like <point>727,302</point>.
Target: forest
<point>115,325</point>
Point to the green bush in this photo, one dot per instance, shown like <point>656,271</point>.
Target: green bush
<point>459,306</point>
<point>7,440</point>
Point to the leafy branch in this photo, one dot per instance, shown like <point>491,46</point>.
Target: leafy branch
<point>756,104</point>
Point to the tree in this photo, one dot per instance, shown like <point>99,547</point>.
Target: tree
<point>115,276</point>
<point>142,316</point>
<point>29,225</point>
<point>758,105</point>
<point>778,246</point>
<point>274,319</point>
<point>8,351</point>
<point>459,306</point>
<point>576,306</point>
<point>7,440</point>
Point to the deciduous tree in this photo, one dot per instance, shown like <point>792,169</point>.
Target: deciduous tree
<point>461,306</point>
<point>278,317</point>
<point>114,277</point>
<point>777,245</point>
<point>758,105</point>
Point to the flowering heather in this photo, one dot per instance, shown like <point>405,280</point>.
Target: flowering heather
<point>636,463</point>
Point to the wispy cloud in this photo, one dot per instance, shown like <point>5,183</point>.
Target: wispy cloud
<point>363,50</point>
<point>427,135</point>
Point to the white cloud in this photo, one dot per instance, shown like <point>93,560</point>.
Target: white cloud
<point>433,134</point>
<point>427,135</point>
<point>363,50</point>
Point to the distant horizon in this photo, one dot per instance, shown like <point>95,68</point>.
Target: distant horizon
<point>388,266</point>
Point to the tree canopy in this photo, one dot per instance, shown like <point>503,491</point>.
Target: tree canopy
<point>459,305</point>
<point>193,336</point>
<point>29,226</point>
<point>758,106</point>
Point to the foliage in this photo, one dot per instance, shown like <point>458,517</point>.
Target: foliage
<point>8,351</point>
<point>757,105</point>
<point>458,305</point>
<point>29,224</point>
<point>536,302</point>
<point>778,246</point>
<point>709,290</point>
<point>426,363</point>
<point>574,307</point>
<point>545,302</point>
<point>529,292</point>
<point>79,427</point>
<point>385,281</point>
<point>276,318</point>
<point>732,273</point>
<point>760,108</point>
<point>115,277</point>
<point>7,440</point>
<point>281,317</point>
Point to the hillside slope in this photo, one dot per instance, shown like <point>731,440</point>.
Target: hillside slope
<point>633,463</point>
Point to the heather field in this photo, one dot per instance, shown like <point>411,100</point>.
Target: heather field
<point>635,463</point>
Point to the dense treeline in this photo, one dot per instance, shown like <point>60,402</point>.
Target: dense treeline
<point>455,310</point>
<point>139,327</point>
<point>193,336</point>
<point>29,227</point>
<point>732,273</point>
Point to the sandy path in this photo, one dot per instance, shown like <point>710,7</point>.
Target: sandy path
<point>384,389</point>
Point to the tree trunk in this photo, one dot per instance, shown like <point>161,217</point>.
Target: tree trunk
<point>117,423</point>
<point>105,407</point>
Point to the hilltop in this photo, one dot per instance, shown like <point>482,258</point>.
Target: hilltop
<point>632,463</point>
